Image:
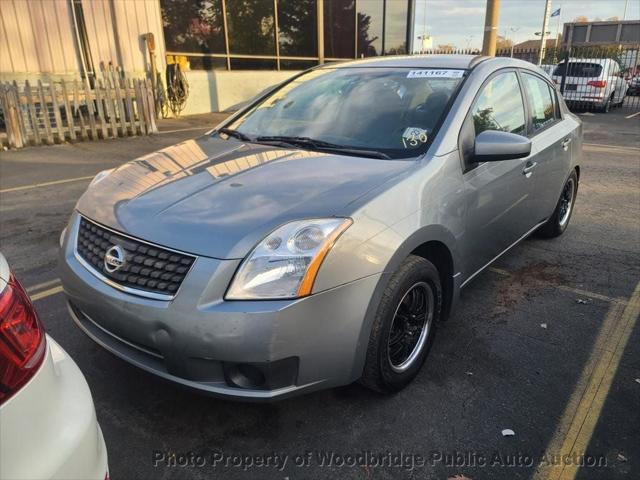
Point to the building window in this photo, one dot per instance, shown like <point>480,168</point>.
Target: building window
<point>252,64</point>
<point>193,26</point>
<point>370,23</point>
<point>251,27</point>
<point>205,63</point>
<point>297,28</point>
<point>280,34</point>
<point>297,64</point>
<point>395,27</point>
<point>339,28</point>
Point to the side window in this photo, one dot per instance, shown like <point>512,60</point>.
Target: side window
<point>499,106</point>
<point>543,111</point>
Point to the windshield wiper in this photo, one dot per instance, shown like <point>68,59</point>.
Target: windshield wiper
<point>321,145</point>
<point>235,133</point>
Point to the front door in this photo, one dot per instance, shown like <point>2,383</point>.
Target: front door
<point>498,194</point>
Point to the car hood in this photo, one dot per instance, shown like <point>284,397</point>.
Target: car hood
<point>219,198</point>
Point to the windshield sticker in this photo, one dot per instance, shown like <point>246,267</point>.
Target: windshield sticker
<point>435,74</point>
<point>414,136</point>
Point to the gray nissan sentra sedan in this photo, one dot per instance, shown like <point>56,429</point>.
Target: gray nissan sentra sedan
<point>320,235</point>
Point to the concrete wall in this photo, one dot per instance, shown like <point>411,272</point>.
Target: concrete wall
<point>37,37</point>
<point>217,91</point>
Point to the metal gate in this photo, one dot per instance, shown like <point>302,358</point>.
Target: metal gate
<point>592,77</point>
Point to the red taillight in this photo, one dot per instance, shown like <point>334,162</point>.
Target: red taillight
<point>597,83</point>
<point>22,339</point>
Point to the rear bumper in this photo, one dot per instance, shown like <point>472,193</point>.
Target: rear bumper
<point>49,428</point>
<point>251,350</point>
<point>585,100</point>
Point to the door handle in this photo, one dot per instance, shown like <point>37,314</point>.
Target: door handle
<point>528,168</point>
<point>565,143</point>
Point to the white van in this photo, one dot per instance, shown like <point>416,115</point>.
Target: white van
<point>592,82</point>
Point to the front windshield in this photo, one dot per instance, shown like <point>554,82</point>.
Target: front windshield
<point>389,110</point>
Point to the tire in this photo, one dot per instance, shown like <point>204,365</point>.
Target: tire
<point>417,280</point>
<point>607,106</point>
<point>559,220</point>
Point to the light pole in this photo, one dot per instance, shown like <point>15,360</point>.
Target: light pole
<point>513,30</point>
<point>543,36</point>
<point>490,28</point>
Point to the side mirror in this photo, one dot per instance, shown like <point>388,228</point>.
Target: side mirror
<point>494,145</point>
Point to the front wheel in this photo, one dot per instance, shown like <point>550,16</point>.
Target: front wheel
<point>404,326</point>
<point>559,220</point>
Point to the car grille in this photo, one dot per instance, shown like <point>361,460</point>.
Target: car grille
<point>148,268</point>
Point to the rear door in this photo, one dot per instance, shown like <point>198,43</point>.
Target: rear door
<point>551,141</point>
<point>497,193</point>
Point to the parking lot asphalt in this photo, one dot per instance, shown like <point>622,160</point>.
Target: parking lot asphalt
<point>545,343</point>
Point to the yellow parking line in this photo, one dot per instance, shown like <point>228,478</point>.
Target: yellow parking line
<point>604,145</point>
<point>190,129</point>
<point>45,184</point>
<point>46,293</point>
<point>593,295</point>
<point>38,286</point>
<point>617,149</point>
<point>581,415</point>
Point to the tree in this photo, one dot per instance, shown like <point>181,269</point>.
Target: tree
<point>366,45</point>
<point>446,47</point>
<point>615,18</point>
<point>580,19</point>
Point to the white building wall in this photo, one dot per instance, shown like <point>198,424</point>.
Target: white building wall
<point>38,41</point>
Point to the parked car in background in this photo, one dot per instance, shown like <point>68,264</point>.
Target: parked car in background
<point>634,85</point>
<point>48,427</point>
<point>548,69</point>
<point>319,235</point>
<point>591,83</point>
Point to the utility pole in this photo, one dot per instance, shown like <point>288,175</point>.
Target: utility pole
<point>543,34</point>
<point>490,28</point>
<point>320,28</point>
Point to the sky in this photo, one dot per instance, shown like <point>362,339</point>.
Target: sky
<point>461,22</point>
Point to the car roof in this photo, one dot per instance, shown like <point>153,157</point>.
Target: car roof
<point>432,61</point>
<point>600,61</point>
<point>413,61</point>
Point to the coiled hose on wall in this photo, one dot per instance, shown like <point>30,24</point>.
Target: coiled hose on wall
<point>177,88</point>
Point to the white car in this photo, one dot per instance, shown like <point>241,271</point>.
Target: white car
<point>548,68</point>
<point>48,427</point>
<point>592,82</point>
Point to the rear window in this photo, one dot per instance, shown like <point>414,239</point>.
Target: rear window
<point>579,69</point>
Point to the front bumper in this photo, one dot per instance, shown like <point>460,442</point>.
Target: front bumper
<point>49,428</point>
<point>253,350</point>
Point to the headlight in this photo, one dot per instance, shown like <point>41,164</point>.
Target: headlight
<point>286,262</point>
<point>101,176</point>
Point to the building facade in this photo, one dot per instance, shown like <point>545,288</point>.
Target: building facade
<point>52,39</point>
<point>283,34</point>
<point>229,50</point>
<point>622,32</point>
